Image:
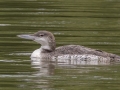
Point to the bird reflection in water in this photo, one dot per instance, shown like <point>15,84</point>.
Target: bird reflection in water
<point>46,67</point>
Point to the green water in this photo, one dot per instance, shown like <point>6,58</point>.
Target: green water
<point>92,23</point>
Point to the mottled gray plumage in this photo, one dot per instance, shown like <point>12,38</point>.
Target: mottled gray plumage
<point>81,50</point>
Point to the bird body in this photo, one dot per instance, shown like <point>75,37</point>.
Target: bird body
<point>48,49</point>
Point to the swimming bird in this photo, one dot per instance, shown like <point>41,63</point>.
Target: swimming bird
<point>48,49</point>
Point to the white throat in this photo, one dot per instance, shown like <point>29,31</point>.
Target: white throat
<point>45,47</point>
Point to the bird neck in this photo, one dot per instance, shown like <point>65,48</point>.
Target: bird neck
<point>48,48</point>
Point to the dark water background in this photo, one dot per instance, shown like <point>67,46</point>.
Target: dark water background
<point>92,23</point>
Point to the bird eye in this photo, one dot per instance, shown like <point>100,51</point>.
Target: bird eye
<point>41,35</point>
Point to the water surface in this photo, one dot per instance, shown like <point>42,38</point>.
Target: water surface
<point>91,23</point>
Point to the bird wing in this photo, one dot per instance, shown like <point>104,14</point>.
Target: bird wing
<point>77,49</point>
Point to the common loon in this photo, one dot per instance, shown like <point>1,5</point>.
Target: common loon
<point>48,49</point>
